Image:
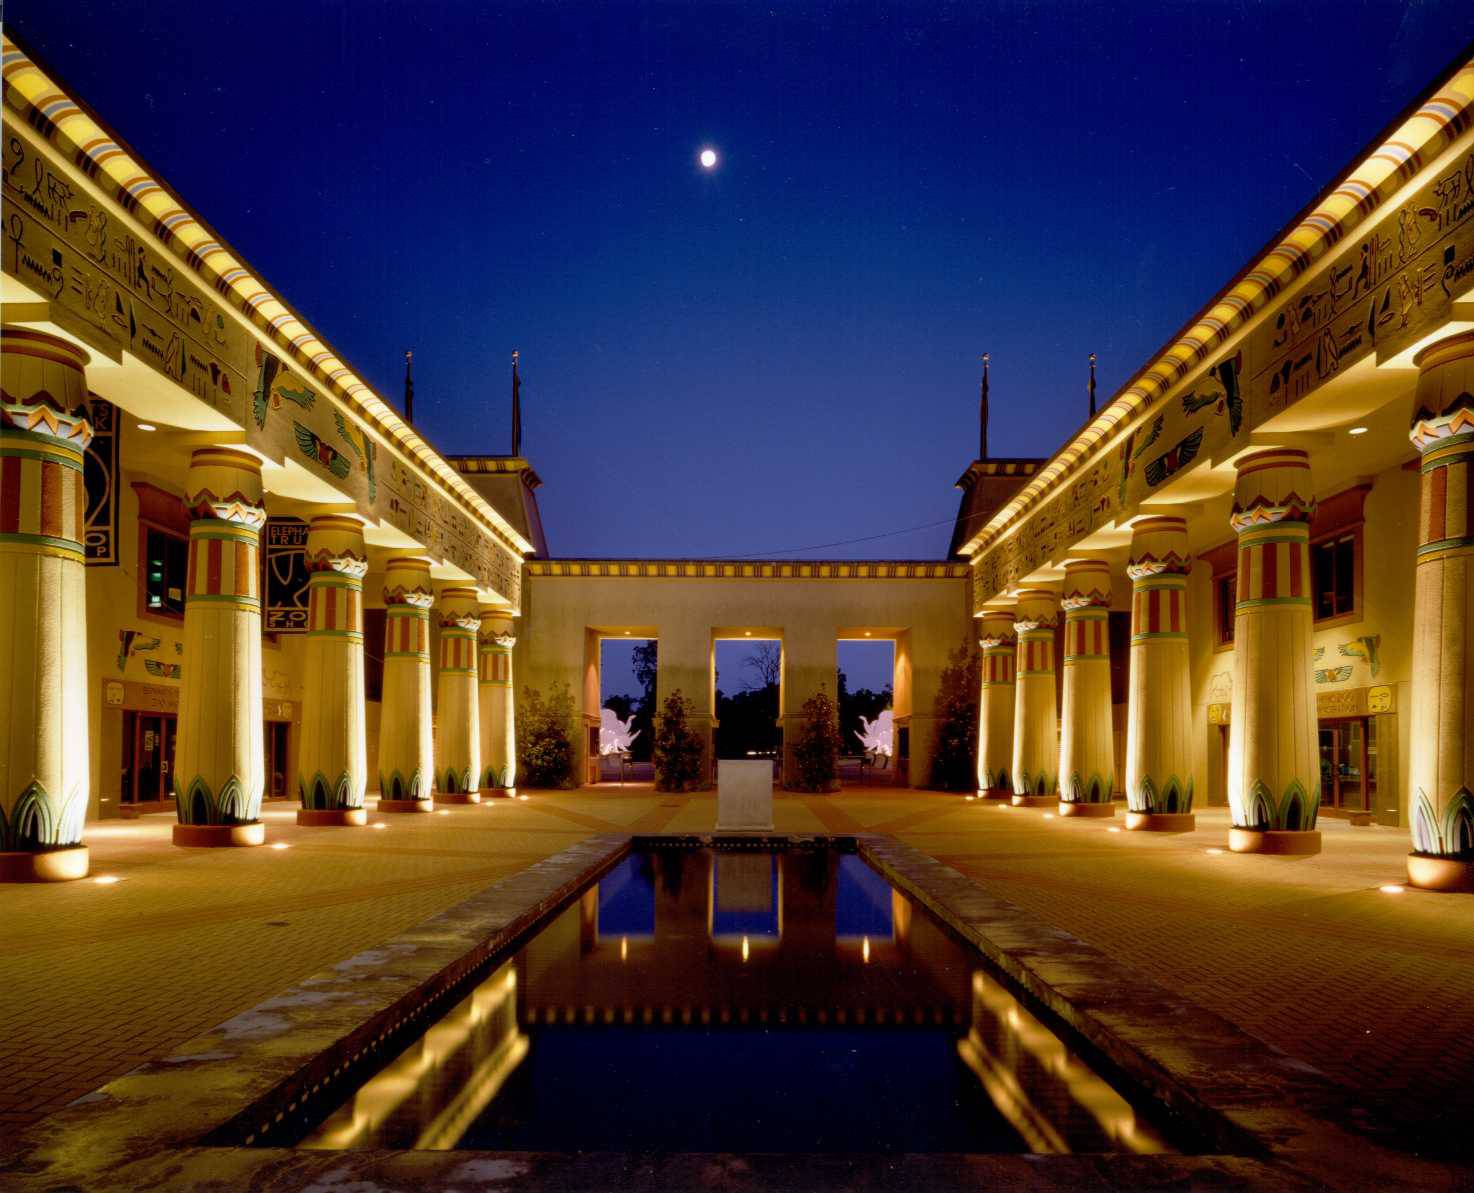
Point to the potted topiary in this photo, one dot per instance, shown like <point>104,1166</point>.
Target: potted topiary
<point>816,752</point>
<point>678,751</point>
<point>544,738</point>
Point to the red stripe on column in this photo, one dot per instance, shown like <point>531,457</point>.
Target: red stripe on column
<point>212,566</point>
<point>50,524</point>
<point>1175,603</point>
<point>1297,569</point>
<point>1437,506</point>
<point>10,494</point>
<point>330,608</point>
<point>1270,557</point>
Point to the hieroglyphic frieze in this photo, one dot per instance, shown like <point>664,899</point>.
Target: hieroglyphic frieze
<point>120,294</point>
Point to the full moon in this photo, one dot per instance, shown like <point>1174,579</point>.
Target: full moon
<point>708,159</point>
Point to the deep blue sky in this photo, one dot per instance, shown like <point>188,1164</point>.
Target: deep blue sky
<point>783,352</point>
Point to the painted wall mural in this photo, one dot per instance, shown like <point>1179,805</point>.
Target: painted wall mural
<point>100,476</point>
<point>146,647</point>
<point>118,293</point>
<point>1380,294</point>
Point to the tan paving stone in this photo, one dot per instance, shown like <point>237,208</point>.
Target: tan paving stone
<point>1376,990</point>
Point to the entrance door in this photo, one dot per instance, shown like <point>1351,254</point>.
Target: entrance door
<point>1347,759</point>
<point>276,759</point>
<point>148,757</point>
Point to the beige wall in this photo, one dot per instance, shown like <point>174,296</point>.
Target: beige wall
<point>565,616</point>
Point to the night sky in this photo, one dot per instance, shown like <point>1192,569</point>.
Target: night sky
<point>782,353</point>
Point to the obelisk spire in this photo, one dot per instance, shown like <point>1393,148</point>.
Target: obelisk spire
<point>409,386</point>
<point>1092,385</point>
<point>516,408</point>
<point>983,413</point>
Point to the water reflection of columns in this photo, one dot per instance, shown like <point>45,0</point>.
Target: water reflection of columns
<point>497,705</point>
<point>458,722</point>
<point>406,748</point>
<point>1036,718</point>
<point>332,765</point>
<point>1273,764</point>
<point>1087,753</point>
<point>1441,766</point>
<point>1159,784</point>
<point>995,703</point>
<point>220,763</point>
<point>44,761</point>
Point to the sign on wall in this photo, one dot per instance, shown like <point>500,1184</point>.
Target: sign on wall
<point>285,563</point>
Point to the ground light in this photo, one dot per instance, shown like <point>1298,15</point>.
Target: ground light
<point>1357,431</point>
<point>378,824</point>
<point>106,879</point>
<point>280,845</point>
<point>1392,888</point>
<point>1114,829</point>
<point>1048,815</point>
<point>1213,851</point>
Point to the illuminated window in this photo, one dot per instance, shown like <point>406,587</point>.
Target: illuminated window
<point>1333,566</point>
<point>165,568</point>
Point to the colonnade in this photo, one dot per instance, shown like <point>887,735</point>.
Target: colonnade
<point>219,766</point>
<point>1035,758</point>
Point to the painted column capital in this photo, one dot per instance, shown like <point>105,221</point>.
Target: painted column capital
<point>496,631</point>
<point>335,544</point>
<point>1272,487</point>
<point>1159,547</point>
<point>459,609</point>
<point>407,582</point>
<point>44,389</point>
<point>224,485</point>
<point>1038,609</point>
<point>1087,584</point>
<point>996,629</point>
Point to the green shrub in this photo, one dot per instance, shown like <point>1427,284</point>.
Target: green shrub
<point>678,749</point>
<point>544,738</point>
<point>816,752</point>
<point>955,755</point>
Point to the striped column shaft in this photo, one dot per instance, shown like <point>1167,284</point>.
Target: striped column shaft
<point>1273,765</point>
<point>1087,755</point>
<point>332,759</point>
<point>497,705</point>
<point>1035,720</point>
<point>1441,762</point>
<point>220,765</point>
<point>45,783</point>
<point>406,745</point>
<point>1159,699</point>
<point>999,646</point>
<point>458,725</point>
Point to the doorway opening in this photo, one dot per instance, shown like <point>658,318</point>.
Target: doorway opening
<point>626,732</point>
<point>148,762</point>
<point>276,760</point>
<point>748,680</point>
<point>1348,767</point>
<point>869,740</point>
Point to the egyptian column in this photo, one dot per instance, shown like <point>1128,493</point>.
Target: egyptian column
<point>44,762</point>
<point>220,764</point>
<point>1035,717</point>
<point>995,704</point>
<point>1273,764</point>
<point>406,749</point>
<point>1441,762</point>
<point>458,721</point>
<point>332,763</point>
<point>498,710</point>
<point>1087,752</point>
<point>1159,784</point>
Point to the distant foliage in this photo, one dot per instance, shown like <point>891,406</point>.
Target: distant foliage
<point>954,758</point>
<point>544,738</point>
<point>677,747</point>
<point>816,752</point>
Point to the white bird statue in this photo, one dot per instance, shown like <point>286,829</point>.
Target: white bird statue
<point>614,735</point>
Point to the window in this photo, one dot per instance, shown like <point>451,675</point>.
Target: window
<point>1224,602</point>
<point>1333,566</point>
<point>165,567</point>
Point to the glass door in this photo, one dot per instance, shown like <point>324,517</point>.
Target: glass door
<point>148,757</point>
<point>276,759</point>
<point>1347,755</point>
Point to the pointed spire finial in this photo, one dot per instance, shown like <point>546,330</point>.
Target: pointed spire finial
<point>516,406</point>
<point>983,413</point>
<point>1092,385</point>
<point>409,386</point>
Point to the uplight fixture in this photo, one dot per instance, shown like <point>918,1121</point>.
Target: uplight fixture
<point>1213,851</point>
<point>147,427</point>
<point>280,845</point>
<point>106,879</point>
<point>1356,431</point>
<point>1392,888</point>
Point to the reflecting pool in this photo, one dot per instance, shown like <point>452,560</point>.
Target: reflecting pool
<point>716,1000</point>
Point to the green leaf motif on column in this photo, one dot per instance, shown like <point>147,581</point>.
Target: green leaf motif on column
<point>1176,796</point>
<point>395,786</point>
<point>233,805</point>
<point>37,821</point>
<point>1453,835</point>
<point>1098,790</point>
<point>456,782</point>
<point>320,794</point>
<point>1295,811</point>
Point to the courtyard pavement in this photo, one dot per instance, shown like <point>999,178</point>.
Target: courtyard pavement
<point>1374,989</point>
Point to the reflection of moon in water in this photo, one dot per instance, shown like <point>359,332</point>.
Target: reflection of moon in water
<point>708,158</point>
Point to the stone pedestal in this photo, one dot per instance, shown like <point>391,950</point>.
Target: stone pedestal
<point>406,748</point>
<point>744,795</point>
<point>1035,719</point>
<point>1441,765</point>
<point>1159,783</point>
<point>495,696</point>
<point>1273,767</point>
<point>999,646</point>
<point>45,775</point>
<point>1087,752</point>
<point>458,723</point>
<point>220,764</point>
<point>332,762</point>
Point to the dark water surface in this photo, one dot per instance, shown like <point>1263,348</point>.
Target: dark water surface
<point>713,1000</point>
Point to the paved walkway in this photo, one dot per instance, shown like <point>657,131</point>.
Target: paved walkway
<point>1376,990</point>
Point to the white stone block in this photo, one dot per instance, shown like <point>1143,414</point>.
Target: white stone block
<point>744,795</point>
